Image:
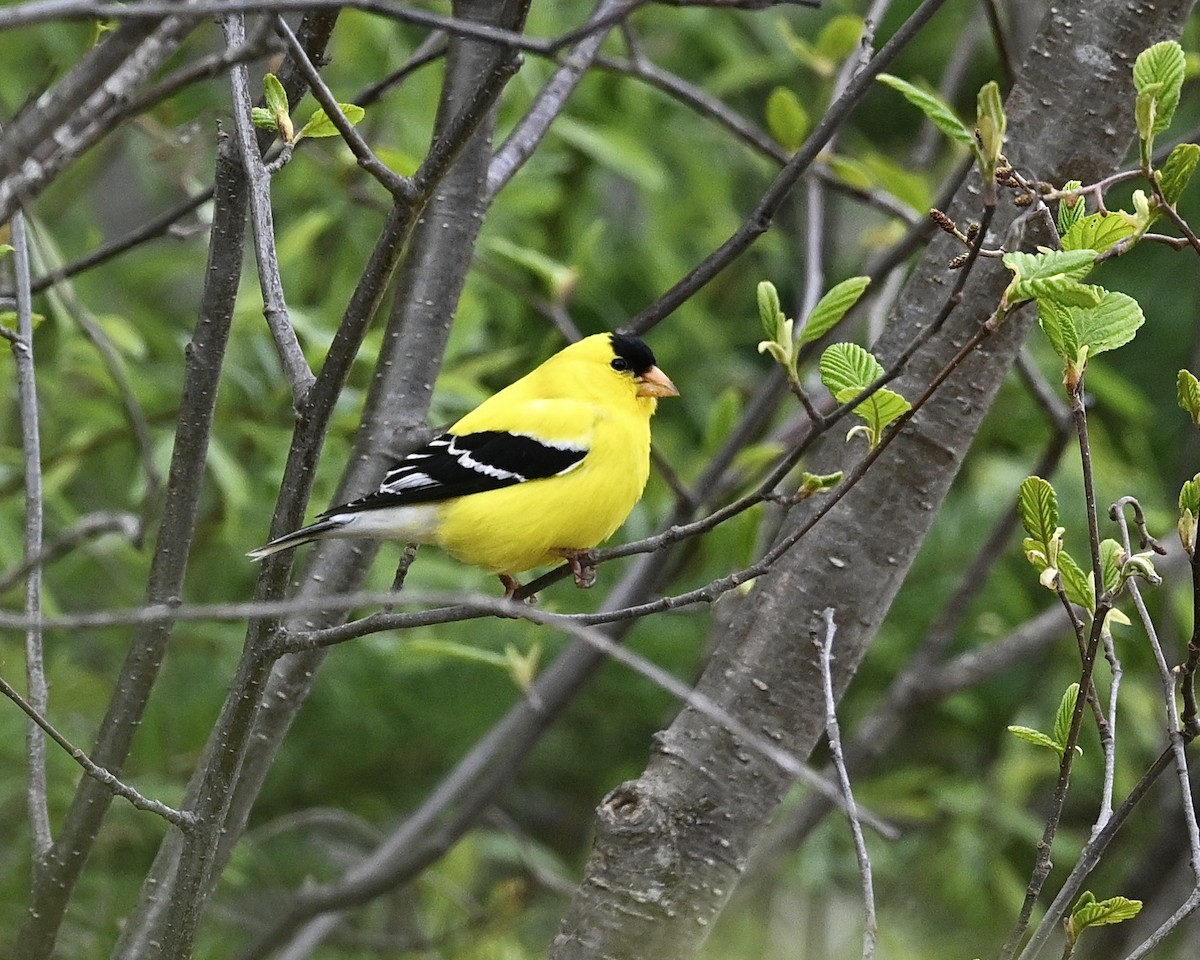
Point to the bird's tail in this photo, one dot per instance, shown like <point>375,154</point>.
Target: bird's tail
<point>315,531</point>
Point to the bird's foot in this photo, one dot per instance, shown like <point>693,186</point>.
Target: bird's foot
<point>511,586</point>
<point>582,568</point>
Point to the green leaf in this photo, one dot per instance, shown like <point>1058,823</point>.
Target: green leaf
<point>787,120</point>
<point>615,150</point>
<point>910,186</point>
<point>1070,212</point>
<point>878,411</point>
<point>1088,912</point>
<point>1036,737</point>
<point>840,37</point>
<point>1096,231</point>
<point>847,366</point>
<point>1189,495</point>
<point>1062,719</point>
<point>1177,171</point>
<point>274,94</point>
<point>452,650</point>
<point>851,172</point>
<point>277,107</point>
<point>1076,584</point>
<point>804,51</point>
<point>811,483</point>
<point>1037,504</point>
<point>1145,114</point>
<point>991,122</point>
<point>1188,389</point>
<point>262,117</point>
<point>523,667</point>
<point>934,107</point>
<point>768,309</point>
<point>559,279</point>
<point>1111,323</point>
<point>1158,72</point>
<point>1053,274</point>
<point>1055,321</point>
<point>1189,513</point>
<point>832,307</point>
<point>319,124</point>
<point>723,415</point>
<point>1112,556</point>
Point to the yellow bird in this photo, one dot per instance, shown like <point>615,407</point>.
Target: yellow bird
<point>542,471</point>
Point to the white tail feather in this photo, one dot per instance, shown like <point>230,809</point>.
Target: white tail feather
<point>307,534</point>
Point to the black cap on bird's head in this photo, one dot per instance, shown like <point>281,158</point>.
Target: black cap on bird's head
<point>633,351</point>
<point>634,356</point>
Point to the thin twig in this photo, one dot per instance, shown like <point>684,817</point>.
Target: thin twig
<point>163,225</point>
<point>1185,910</point>
<point>1001,40</point>
<point>833,733</point>
<point>1042,860</point>
<point>549,103</point>
<point>760,218</point>
<point>1090,856</point>
<point>179,818</point>
<point>275,310</point>
<point>381,871</point>
<point>1175,728</point>
<point>91,525</point>
<point>31,449</point>
<point>393,182</point>
<point>64,295</point>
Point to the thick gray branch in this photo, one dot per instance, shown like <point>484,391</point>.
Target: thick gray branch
<point>669,853</point>
<point>264,700</point>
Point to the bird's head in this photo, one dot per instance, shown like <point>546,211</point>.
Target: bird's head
<point>632,359</point>
<point>609,368</point>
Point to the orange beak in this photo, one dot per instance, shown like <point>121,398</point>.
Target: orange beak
<point>655,383</point>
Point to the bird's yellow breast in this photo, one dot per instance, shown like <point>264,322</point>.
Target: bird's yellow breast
<point>575,511</point>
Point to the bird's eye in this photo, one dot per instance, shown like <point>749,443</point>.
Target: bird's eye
<point>620,363</point>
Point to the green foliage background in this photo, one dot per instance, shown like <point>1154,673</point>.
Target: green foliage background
<point>629,190</point>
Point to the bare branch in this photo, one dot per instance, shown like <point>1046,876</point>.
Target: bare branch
<point>295,367</point>
<point>140,670</point>
<point>31,449</point>
<point>29,160</point>
<point>395,184</point>
<point>833,732</point>
<point>528,133</point>
<point>91,525</point>
<point>102,776</point>
<point>760,218</point>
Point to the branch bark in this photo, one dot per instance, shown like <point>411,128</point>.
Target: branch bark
<point>671,845</point>
<point>266,696</point>
<point>205,353</point>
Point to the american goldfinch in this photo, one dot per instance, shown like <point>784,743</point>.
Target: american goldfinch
<point>540,472</point>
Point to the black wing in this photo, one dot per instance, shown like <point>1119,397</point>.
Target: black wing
<point>454,466</point>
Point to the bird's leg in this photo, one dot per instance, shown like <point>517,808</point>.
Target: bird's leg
<point>511,586</point>
<point>582,568</point>
<point>406,559</point>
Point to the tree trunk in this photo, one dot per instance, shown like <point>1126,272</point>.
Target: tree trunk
<point>671,845</point>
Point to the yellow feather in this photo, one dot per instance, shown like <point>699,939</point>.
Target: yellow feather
<point>574,397</point>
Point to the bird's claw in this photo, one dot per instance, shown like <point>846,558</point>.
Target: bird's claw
<point>511,586</point>
<point>583,571</point>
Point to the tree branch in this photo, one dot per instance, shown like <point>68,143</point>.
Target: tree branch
<point>31,449</point>
<point>140,669</point>
<point>275,310</point>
